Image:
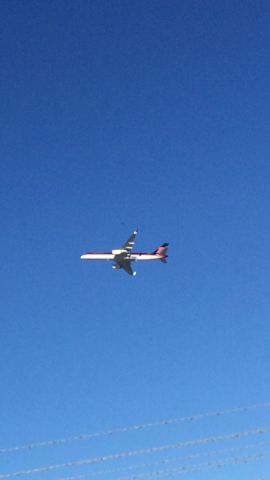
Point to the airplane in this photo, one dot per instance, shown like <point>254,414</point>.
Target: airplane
<point>123,256</point>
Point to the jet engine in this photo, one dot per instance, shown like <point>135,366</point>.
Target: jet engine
<point>116,266</point>
<point>117,252</point>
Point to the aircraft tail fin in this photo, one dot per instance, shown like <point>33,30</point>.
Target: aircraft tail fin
<point>162,252</point>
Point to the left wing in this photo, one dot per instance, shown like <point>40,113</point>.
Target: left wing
<point>130,242</point>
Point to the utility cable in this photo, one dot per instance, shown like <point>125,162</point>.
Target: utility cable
<point>134,453</point>
<point>172,421</point>
<point>165,461</point>
<point>195,468</point>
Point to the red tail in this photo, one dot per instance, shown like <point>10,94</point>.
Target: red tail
<point>162,251</point>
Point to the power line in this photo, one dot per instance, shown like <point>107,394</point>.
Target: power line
<point>195,468</point>
<point>192,468</point>
<point>134,453</point>
<point>165,461</point>
<point>88,436</point>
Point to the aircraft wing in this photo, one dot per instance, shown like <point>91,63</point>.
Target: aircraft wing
<point>130,242</point>
<point>123,257</point>
<point>127,267</point>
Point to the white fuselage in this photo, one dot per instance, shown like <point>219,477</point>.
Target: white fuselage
<point>130,257</point>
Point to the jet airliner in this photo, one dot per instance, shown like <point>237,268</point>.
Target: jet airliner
<point>123,257</point>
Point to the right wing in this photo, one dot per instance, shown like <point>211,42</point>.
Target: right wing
<point>125,265</point>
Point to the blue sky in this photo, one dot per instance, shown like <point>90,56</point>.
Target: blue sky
<point>117,115</point>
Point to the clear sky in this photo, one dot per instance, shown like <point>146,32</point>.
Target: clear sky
<point>117,115</point>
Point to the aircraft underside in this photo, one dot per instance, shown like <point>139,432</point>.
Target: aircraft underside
<point>123,256</point>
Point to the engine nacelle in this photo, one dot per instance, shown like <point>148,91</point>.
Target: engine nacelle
<point>116,267</point>
<point>117,251</point>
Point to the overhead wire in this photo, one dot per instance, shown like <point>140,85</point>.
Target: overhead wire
<point>131,428</point>
<point>198,467</point>
<point>167,460</point>
<point>134,453</point>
